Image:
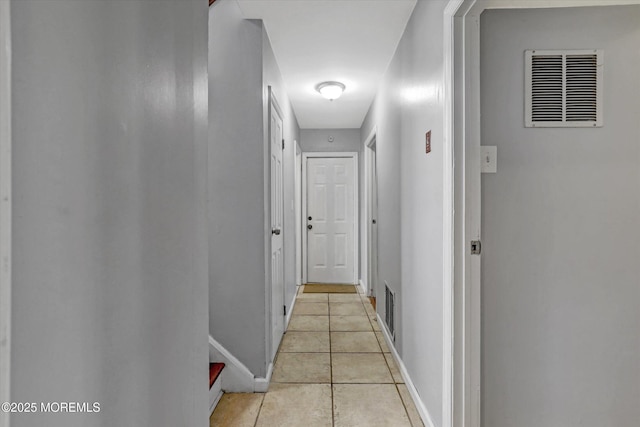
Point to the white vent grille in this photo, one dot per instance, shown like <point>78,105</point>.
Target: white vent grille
<point>581,88</point>
<point>563,88</point>
<point>546,88</point>
<point>390,309</point>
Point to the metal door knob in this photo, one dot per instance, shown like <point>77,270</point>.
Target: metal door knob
<point>275,231</point>
<point>309,227</point>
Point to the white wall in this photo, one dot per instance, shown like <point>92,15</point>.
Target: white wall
<point>560,271</point>
<point>241,68</point>
<point>109,242</point>
<point>408,104</point>
<point>318,140</point>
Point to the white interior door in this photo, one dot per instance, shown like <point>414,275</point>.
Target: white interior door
<point>331,220</point>
<point>277,239</point>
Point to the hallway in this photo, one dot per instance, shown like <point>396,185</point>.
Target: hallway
<point>333,369</point>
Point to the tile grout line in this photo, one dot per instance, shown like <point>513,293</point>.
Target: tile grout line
<point>376,335</point>
<point>389,367</point>
<point>380,345</point>
<point>255,424</point>
<point>396,385</point>
<point>406,410</point>
<point>388,363</point>
<point>333,416</point>
<point>332,383</point>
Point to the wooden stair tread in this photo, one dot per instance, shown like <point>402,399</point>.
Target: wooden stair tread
<point>214,371</point>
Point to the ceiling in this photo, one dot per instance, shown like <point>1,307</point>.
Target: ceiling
<point>351,41</point>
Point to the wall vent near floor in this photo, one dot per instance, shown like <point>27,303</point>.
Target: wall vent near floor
<point>390,309</point>
<point>563,88</point>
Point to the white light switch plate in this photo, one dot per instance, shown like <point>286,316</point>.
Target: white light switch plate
<point>488,159</point>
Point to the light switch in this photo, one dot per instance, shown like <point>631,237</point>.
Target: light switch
<point>488,159</point>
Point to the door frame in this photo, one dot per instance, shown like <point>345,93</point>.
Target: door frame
<point>5,209</point>
<point>356,217</point>
<point>270,347</point>
<point>463,136</point>
<point>298,210</point>
<point>366,233</point>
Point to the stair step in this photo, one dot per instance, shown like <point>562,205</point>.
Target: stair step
<point>214,372</point>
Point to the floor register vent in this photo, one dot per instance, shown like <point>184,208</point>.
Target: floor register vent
<point>390,309</point>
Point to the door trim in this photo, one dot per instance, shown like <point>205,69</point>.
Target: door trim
<point>298,211</point>
<point>5,208</point>
<point>366,232</point>
<point>356,195</point>
<point>462,25</point>
<point>448,217</point>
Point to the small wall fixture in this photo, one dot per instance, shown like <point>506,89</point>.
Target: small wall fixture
<point>330,90</point>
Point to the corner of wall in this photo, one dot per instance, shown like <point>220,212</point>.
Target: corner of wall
<point>237,226</point>
<point>237,377</point>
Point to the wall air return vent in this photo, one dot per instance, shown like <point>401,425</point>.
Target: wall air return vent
<point>563,88</point>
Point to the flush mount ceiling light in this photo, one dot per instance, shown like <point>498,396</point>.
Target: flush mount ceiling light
<point>330,90</point>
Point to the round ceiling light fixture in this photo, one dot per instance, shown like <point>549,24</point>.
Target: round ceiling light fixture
<point>331,90</point>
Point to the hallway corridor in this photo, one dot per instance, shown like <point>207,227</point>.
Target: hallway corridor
<point>333,369</point>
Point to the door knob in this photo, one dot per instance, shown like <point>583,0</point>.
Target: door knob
<point>309,227</point>
<point>275,231</point>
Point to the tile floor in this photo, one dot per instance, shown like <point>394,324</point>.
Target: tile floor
<point>333,369</point>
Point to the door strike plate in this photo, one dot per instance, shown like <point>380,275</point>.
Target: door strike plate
<point>476,247</point>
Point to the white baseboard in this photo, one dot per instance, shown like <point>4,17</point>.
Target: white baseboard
<point>215,393</point>
<point>261,385</point>
<point>237,377</point>
<point>293,303</point>
<point>367,292</point>
<point>422,409</point>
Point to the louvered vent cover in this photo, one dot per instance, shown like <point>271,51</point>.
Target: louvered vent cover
<point>390,309</point>
<point>563,88</point>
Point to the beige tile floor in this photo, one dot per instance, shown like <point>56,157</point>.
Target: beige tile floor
<point>333,369</point>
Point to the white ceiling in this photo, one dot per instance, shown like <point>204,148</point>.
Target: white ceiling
<point>351,41</point>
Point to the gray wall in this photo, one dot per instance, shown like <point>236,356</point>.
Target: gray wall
<point>241,68</point>
<point>109,175</point>
<point>343,140</point>
<point>560,270</point>
<point>236,193</point>
<point>408,104</point>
